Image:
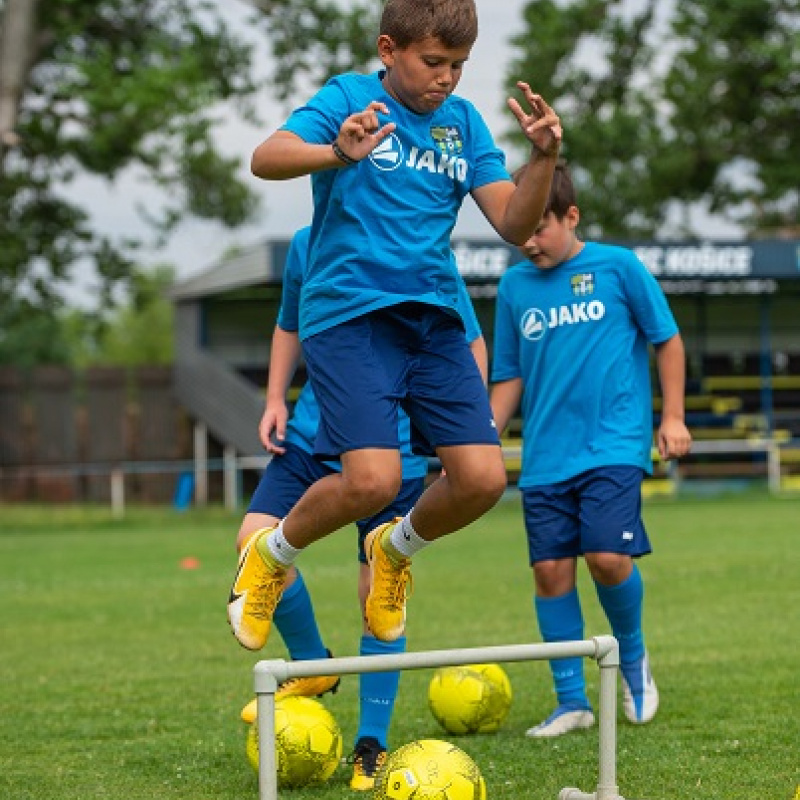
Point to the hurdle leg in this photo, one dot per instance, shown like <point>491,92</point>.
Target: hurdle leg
<point>266,684</point>
<point>607,789</point>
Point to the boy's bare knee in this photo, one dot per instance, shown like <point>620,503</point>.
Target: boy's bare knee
<point>609,569</point>
<point>371,492</point>
<point>496,484</point>
<point>484,487</point>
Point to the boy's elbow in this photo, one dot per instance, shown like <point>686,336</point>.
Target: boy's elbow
<point>516,240</point>
<point>518,232</point>
<point>517,236</point>
<point>259,166</point>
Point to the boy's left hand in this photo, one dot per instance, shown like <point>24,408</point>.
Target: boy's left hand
<point>674,439</point>
<point>542,127</point>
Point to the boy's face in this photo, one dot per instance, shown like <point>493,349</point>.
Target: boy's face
<point>554,241</point>
<point>422,75</point>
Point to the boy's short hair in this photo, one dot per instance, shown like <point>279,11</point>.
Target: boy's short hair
<point>453,22</point>
<point>562,190</point>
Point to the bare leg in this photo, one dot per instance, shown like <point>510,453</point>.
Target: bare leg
<point>369,481</point>
<point>474,480</point>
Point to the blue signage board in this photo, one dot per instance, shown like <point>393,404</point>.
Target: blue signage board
<point>681,267</point>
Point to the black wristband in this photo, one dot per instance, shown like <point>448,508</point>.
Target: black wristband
<point>341,155</point>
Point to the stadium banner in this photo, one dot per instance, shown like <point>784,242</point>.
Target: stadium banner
<point>719,267</point>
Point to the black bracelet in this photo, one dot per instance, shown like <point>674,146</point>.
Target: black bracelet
<point>341,155</point>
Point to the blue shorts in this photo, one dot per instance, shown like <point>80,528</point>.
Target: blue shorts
<point>287,477</point>
<point>285,481</point>
<point>598,511</point>
<point>411,355</point>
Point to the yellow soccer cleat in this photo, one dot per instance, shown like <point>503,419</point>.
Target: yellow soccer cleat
<point>296,687</point>
<point>255,592</point>
<point>250,712</point>
<point>367,758</point>
<point>386,602</point>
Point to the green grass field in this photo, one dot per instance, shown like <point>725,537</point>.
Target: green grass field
<point>119,677</point>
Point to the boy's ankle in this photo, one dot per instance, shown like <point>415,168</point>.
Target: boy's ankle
<point>397,558</point>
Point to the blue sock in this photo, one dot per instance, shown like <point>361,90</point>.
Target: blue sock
<point>377,691</point>
<point>561,620</point>
<point>623,607</point>
<point>294,618</point>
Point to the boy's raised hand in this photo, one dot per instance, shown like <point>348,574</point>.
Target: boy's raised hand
<point>362,132</point>
<point>541,125</point>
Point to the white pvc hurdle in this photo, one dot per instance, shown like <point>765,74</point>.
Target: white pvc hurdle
<point>604,649</point>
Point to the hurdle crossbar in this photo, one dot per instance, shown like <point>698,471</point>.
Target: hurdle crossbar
<point>603,649</point>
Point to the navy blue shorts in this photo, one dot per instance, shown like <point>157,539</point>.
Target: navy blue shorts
<point>411,355</point>
<point>285,481</point>
<point>598,511</point>
<point>287,477</point>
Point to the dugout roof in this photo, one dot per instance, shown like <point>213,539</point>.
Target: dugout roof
<point>720,267</point>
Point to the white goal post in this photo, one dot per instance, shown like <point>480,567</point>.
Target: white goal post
<point>603,649</point>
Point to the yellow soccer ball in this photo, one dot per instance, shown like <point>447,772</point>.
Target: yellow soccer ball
<point>470,699</point>
<point>429,769</point>
<point>308,742</point>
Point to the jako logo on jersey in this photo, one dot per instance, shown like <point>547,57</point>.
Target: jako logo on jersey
<point>388,155</point>
<point>582,284</point>
<point>455,167</point>
<point>535,323</point>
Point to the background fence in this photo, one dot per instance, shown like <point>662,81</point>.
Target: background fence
<point>63,431</point>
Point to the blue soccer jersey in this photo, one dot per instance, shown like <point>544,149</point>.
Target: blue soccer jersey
<point>381,229</point>
<point>577,335</point>
<point>302,427</point>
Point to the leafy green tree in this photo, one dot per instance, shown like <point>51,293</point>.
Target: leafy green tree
<point>734,92</point>
<point>137,331</point>
<point>664,111</point>
<point>98,87</point>
<point>312,40</point>
<point>30,335</point>
<point>141,331</point>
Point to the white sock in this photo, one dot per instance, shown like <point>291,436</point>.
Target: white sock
<point>279,548</point>
<point>405,539</point>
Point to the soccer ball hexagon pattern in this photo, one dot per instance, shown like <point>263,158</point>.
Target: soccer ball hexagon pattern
<point>308,742</point>
<point>470,699</point>
<point>429,769</point>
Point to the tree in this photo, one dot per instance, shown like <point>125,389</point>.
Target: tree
<point>667,112</point>
<point>734,88</point>
<point>311,40</point>
<point>30,335</point>
<point>16,39</point>
<point>98,87</point>
<point>138,331</point>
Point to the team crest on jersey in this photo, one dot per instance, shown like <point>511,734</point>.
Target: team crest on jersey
<point>448,139</point>
<point>582,284</point>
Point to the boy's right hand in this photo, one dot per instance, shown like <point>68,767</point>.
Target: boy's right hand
<point>362,132</point>
<point>272,428</point>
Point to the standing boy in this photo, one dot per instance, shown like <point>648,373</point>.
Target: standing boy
<point>571,343</point>
<point>291,471</point>
<point>392,156</point>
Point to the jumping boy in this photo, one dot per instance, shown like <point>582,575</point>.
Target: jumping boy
<point>392,156</point>
<point>291,471</point>
<point>572,329</point>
